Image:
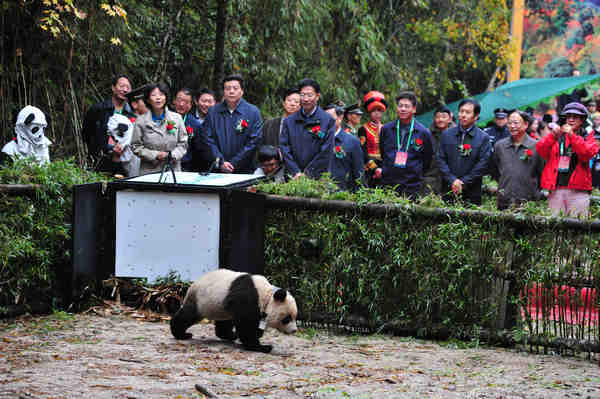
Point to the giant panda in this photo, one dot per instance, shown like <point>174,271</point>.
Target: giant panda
<point>245,301</point>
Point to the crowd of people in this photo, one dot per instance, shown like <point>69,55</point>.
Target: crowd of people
<point>533,154</point>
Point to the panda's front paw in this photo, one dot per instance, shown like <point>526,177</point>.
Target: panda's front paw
<point>259,348</point>
<point>266,348</point>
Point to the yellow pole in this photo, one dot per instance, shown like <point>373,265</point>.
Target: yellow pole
<point>516,39</point>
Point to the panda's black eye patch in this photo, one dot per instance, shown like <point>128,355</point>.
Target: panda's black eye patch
<point>35,129</point>
<point>286,320</point>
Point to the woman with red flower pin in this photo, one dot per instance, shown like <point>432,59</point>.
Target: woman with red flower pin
<point>158,132</point>
<point>516,165</point>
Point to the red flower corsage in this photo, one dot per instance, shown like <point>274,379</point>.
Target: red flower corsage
<point>527,154</point>
<point>171,127</point>
<point>465,149</point>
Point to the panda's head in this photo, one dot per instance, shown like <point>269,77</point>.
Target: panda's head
<point>282,311</point>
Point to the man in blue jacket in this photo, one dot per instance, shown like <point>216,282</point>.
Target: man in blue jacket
<point>463,155</point>
<point>307,136</point>
<point>406,149</point>
<point>347,161</point>
<point>233,129</point>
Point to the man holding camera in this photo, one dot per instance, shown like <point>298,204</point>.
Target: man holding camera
<point>568,151</point>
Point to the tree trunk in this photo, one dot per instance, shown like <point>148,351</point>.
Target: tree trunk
<point>219,72</point>
<point>161,69</point>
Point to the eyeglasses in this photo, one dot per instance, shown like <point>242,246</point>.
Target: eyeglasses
<point>308,95</point>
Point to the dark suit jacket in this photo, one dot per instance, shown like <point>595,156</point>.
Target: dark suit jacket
<point>271,132</point>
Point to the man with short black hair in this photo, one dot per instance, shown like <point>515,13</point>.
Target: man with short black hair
<point>307,136</point>
<point>95,130</point>
<point>406,149</point>
<point>199,153</point>
<point>463,155</point>
<point>442,120</point>
<point>270,165</point>
<point>233,129</point>
<point>273,127</point>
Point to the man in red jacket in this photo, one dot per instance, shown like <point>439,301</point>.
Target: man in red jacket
<point>567,151</point>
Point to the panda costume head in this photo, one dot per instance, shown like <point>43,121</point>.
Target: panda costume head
<point>29,136</point>
<point>241,300</point>
<point>120,129</point>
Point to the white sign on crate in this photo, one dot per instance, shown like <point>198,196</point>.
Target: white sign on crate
<point>160,232</point>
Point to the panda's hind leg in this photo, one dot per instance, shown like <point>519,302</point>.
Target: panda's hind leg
<point>224,330</point>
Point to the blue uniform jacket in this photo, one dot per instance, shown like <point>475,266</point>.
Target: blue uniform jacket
<point>469,169</point>
<point>228,140</point>
<point>420,154</point>
<point>190,120</point>
<point>303,150</point>
<point>347,161</point>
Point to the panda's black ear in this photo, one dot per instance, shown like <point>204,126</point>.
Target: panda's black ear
<point>29,118</point>
<point>280,295</point>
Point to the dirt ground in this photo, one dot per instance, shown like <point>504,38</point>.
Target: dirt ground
<point>108,355</point>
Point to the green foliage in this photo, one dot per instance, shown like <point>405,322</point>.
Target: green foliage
<point>441,50</point>
<point>421,269</point>
<point>35,233</point>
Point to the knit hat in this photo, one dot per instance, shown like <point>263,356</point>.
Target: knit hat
<point>374,100</point>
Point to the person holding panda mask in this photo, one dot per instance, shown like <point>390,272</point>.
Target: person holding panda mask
<point>95,130</point>
<point>568,151</point>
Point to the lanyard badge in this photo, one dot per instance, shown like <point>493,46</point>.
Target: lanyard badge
<point>564,160</point>
<point>402,156</point>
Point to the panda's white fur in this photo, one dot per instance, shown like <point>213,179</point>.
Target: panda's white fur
<point>239,300</point>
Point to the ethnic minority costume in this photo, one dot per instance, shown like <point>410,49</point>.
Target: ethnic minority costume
<point>368,135</point>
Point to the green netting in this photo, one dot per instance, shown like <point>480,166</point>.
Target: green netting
<point>519,94</point>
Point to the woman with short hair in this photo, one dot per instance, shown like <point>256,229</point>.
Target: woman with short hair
<point>158,132</point>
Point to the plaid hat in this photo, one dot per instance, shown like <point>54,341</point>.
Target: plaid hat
<point>575,108</point>
<point>374,100</point>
